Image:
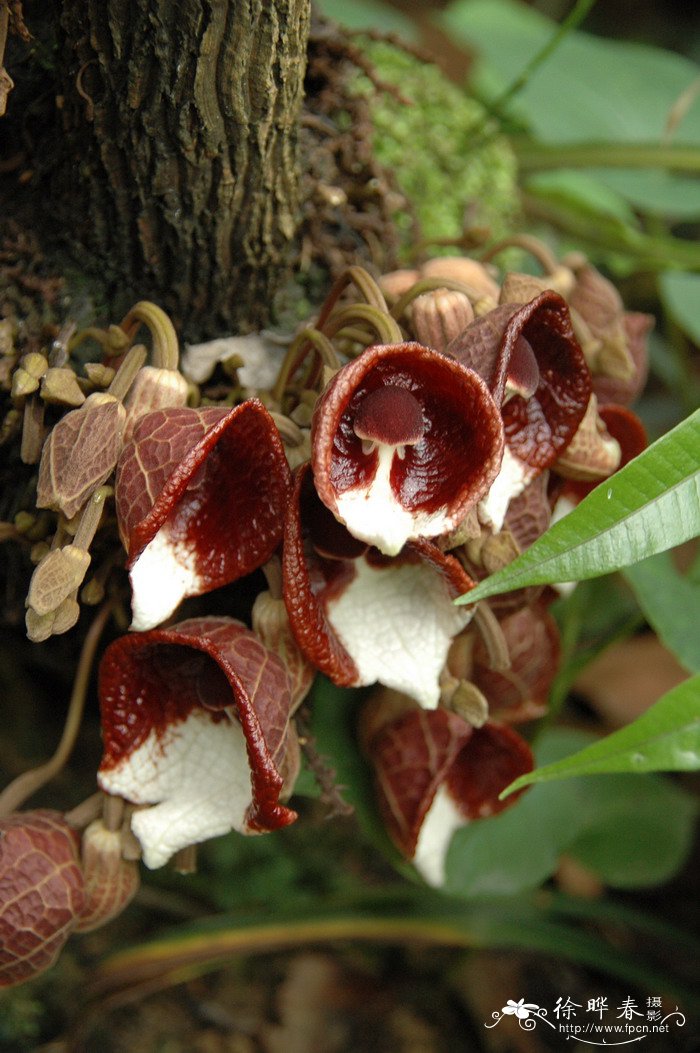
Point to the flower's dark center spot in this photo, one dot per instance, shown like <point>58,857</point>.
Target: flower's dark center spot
<point>389,415</point>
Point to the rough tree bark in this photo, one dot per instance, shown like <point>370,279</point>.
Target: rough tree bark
<point>181,176</point>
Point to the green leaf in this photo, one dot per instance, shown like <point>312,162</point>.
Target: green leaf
<point>665,738</point>
<point>549,925</point>
<point>671,605</point>
<point>680,293</point>
<point>650,505</point>
<point>653,191</point>
<point>630,832</point>
<point>582,192</point>
<point>642,834</point>
<point>366,14</point>
<point>614,90</point>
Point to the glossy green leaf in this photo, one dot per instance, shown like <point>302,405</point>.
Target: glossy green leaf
<point>650,505</point>
<point>665,738</point>
<point>680,293</point>
<point>671,605</point>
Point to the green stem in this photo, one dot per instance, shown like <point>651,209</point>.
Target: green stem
<point>534,156</point>
<point>571,22</point>
<point>308,339</point>
<point>654,252</point>
<point>381,321</point>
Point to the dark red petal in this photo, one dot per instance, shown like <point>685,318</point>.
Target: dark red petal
<point>150,681</point>
<point>492,758</point>
<point>307,577</point>
<point>412,757</point>
<point>199,472</point>
<point>520,693</point>
<point>459,454</point>
<point>540,427</point>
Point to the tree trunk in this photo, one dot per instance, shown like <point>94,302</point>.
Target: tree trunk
<point>182,178</point>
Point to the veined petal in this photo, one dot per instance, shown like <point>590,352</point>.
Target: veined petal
<point>434,773</point>
<point>404,442</point>
<point>366,618</point>
<point>192,513</point>
<point>195,722</point>
<point>499,345</point>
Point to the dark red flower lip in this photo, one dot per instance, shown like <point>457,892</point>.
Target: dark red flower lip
<point>191,510</point>
<point>404,442</point>
<point>538,425</point>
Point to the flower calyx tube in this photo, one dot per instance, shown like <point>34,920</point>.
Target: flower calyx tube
<point>191,512</point>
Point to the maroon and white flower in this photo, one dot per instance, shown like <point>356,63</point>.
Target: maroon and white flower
<point>200,500</point>
<point>405,442</point>
<point>434,773</point>
<point>195,723</point>
<point>361,617</point>
<point>533,365</point>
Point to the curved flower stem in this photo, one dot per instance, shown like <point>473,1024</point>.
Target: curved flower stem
<point>166,352</point>
<point>307,340</point>
<point>541,252</point>
<point>84,813</point>
<point>382,322</point>
<point>365,285</point>
<point>426,285</point>
<point>491,633</point>
<point>112,340</point>
<point>27,784</point>
<point>126,374</point>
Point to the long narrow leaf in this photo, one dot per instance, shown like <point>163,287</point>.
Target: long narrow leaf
<point>400,917</point>
<point>650,505</point>
<point>665,738</point>
<point>671,605</point>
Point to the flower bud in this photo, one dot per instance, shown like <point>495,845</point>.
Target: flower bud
<point>80,453</point>
<point>463,269</point>
<point>153,389</point>
<point>440,316</point>
<point>42,892</point>
<point>111,881</point>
